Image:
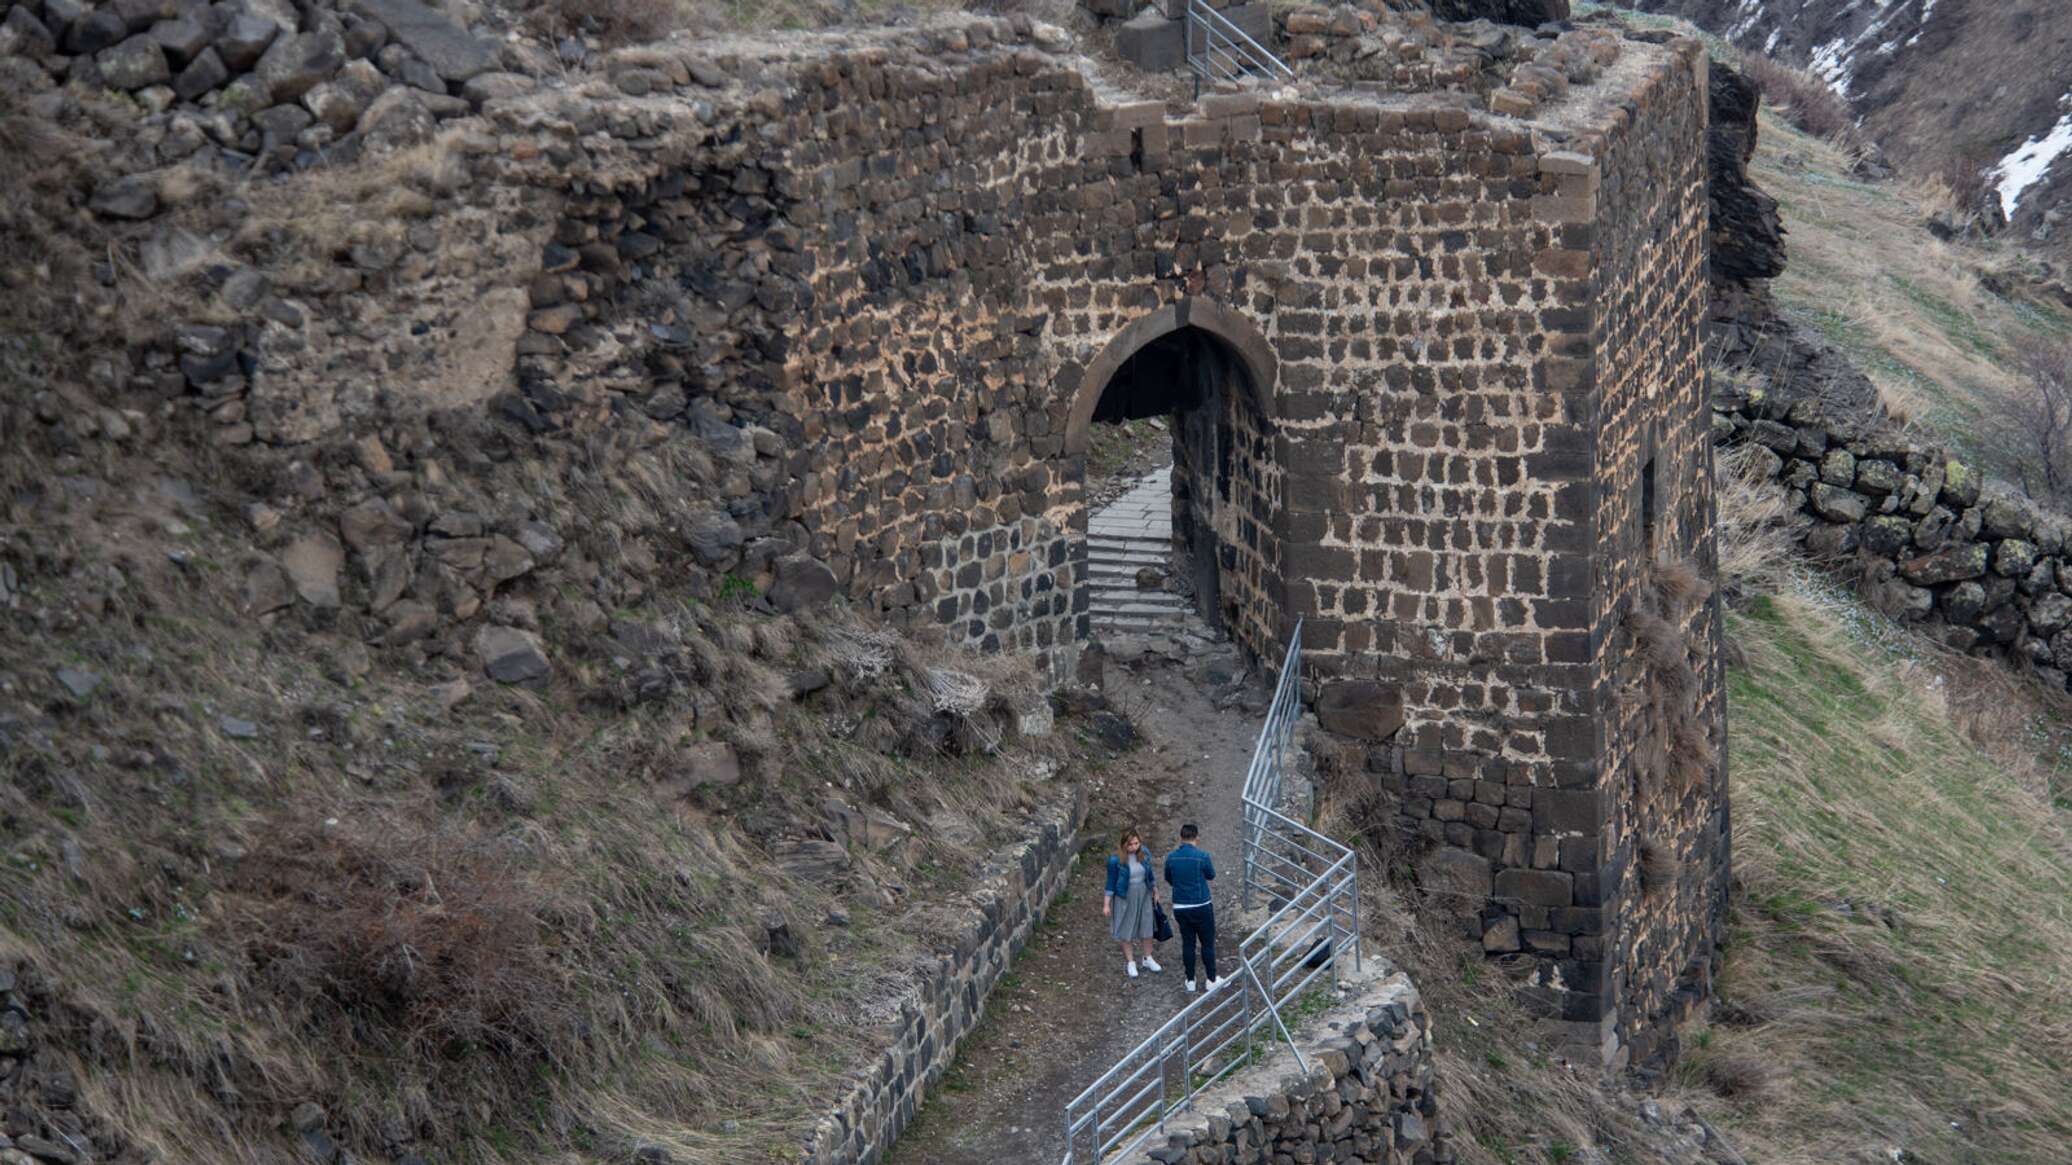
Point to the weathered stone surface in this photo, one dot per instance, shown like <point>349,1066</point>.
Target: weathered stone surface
<point>1366,709</point>
<point>1152,42</point>
<point>1837,504</point>
<point>2013,558</point>
<point>1950,565</point>
<point>134,64</point>
<point>1535,887</point>
<point>710,763</point>
<point>487,87</point>
<point>22,35</point>
<point>340,101</point>
<point>509,655</point>
<point>1529,13</point>
<point>133,197</point>
<point>245,39</point>
<point>266,588</point>
<point>371,525</point>
<point>203,74</point>
<point>453,53</point>
<point>312,564</point>
<point>293,65</point>
<point>802,582</point>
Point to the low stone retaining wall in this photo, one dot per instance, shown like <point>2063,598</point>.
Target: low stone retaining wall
<point>1368,1095</point>
<point>952,998</point>
<point>1982,568</point>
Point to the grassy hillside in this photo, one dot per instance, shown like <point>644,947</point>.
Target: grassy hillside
<point>1898,972</point>
<point>1912,310</point>
<point>1900,968</point>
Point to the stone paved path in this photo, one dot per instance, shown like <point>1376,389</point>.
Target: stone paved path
<point>1134,532</point>
<point>1066,1011</point>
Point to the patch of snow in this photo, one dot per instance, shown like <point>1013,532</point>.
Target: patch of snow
<point>1831,64</point>
<point>1927,9</point>
<point>2030,161</point>
<point>1770,46</point>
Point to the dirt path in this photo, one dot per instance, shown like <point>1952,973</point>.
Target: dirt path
<point>1066,1011</point>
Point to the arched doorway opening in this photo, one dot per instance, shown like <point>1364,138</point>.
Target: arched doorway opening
<point>1208,375</point>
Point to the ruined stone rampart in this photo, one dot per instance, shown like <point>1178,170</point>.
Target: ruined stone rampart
<point>1459,421</point>
<point>1368,1095</point>
<point>950,998</point>
<point>847,311</point>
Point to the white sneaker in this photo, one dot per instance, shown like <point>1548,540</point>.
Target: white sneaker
<point>1189,984</point>
<point>1133,970</point>
<point>1213,984</point>
<point>1151,964</point>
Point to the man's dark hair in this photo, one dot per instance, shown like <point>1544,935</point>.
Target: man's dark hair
<point>1188,832</point>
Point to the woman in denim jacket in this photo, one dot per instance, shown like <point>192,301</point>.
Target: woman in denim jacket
<point>1128,899</point>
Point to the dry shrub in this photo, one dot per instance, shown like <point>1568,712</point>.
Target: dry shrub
<point>1756,518</point>
<point>401,935</point>
<point>1737,1073</point>
<point>1674,750</point>
<point>1807,101</point>
<point>615,22</point>
<point>1657,866</point>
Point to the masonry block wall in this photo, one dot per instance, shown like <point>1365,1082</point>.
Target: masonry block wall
<point>1650,887</point>
<point>1511,540</point>
<point>1457,340</point>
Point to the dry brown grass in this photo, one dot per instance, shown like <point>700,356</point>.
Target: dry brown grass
<point>1810,103</point>
<point>508,929</point>
<point>1756,527</point>
<point>1900,955</point>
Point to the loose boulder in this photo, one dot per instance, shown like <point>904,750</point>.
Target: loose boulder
<point>510,656</point>
<point>452,52</point>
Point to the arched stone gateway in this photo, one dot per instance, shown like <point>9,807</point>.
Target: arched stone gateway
<point>1441,397</point>
<point>1211,373</point>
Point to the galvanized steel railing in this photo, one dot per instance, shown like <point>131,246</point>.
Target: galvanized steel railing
<point>1313,884</point>
<point>1218,50</point>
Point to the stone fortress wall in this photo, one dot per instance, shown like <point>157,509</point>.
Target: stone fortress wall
<point>882,283</point>
<point>1455,338</point>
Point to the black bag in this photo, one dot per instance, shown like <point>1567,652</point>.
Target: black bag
<point>1161,930</point>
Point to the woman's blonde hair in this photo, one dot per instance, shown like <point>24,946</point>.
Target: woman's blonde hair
<point>1122,845</point>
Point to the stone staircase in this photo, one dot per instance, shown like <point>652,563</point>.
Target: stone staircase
<point>1133,532</point>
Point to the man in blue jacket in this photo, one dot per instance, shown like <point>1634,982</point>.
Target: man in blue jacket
<point>1188,870</point>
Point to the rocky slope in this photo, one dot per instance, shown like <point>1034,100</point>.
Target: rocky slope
<point>1951,88</point>
<point>412,747</point>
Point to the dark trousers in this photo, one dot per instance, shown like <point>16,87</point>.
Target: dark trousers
<point>1197,924</point>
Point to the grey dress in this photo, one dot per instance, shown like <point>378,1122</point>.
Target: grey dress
<point>1129,918</point>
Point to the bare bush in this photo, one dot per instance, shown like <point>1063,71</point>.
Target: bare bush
<point>615,22</point>
<point>1807,101</point>
<point>1755,526</point>
<point>2046,415</point>
<point>429,940</point>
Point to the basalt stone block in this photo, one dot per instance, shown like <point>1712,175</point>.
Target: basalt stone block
<point>1961,485</point>
<point>1887,535</point>
<point>296,64</point>
<point>245,39</point>
<point>452,52</point>
<point>134,64</point>
<point>1837,504</point>
<point>1964,602</point>
<point>1152,42</point>
<point>205,73</point>
<point>1877,477</point>
<point>1535,887</point>
<point>1365,709</point>
<point>1953,564</point>
<point>2013,557</point>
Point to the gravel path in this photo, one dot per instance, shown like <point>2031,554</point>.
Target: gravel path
<point>1067,1010</point>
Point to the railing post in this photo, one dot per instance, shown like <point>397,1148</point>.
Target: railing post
<point>1356,911</point>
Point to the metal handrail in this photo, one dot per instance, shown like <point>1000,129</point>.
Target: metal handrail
<point>1314,882</point>
<point>1242,56</point>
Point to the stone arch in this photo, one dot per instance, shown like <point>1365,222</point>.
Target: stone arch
<point>1244,338</point>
